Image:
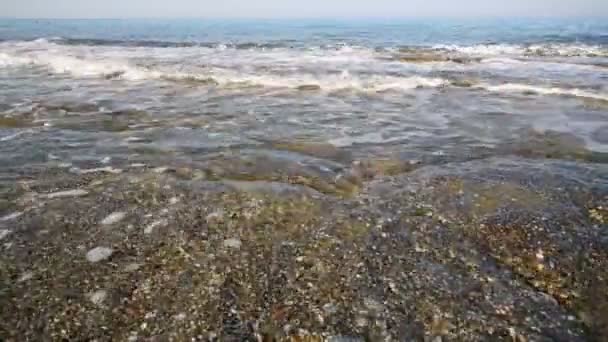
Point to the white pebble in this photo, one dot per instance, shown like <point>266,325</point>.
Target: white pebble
<point>11,216</point>
<point>161,169</point>
<point>98,297</point>
<point>106,160</point>
<point>232,243</point>
<point>4,233</point>
<point>150,228</point>
<point>26,276</point>
<point>113,218</point>
<point>132,267</point>
<point>99,253</point>
<point>540,255</point>
<point>67,193</point>
<point>107,169</point>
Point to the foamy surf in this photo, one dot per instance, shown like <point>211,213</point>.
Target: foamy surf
<point>532,89</point>
<point>547,50</point>
<point>80,67</point>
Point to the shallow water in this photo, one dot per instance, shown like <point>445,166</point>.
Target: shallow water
<point>127,91</point>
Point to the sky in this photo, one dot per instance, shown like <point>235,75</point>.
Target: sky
<point>299,8</point>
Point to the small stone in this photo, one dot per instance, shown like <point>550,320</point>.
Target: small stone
<point>232,243</point>
<point>113,218</point>
<point>11,216</point>
<point>26,276</point>
<point>132,267</point>
<point>150,228</point>
<point>174,200</point>
<point>540,255</point>
<point>161,169</point>
<point>180,317</point>
<point>107,169</point>
<point>372,304</point>
<point>4,233</point>
<point>99,253</point>
<point>98,297</point>
<point>106,160</point>
<point>330,308</point>
<point>215,216</point>
<point>67,193</point>
<point>361,322</point>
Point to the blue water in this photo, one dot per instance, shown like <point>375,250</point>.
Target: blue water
<point>377,33</point>
<point>76,92</point>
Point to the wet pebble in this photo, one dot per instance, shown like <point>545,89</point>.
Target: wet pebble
<point>4,233</point>
<point>67,193</point>
<point>98,254</point>
<point>107,169</point>
<point>161,169</point>
<point>150,228</point>
<point>25,276</point>
<point>132,267</point>
<point>232,243</point>
<point>98,297</point>
<point>113,218</point>
<point>12,216</point>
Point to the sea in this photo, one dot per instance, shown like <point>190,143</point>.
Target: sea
<point>86,92</point>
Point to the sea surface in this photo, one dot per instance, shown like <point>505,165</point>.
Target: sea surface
<point>79,91</point>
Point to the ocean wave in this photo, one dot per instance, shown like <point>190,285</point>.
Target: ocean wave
<point>549,50</point>
<point>115,69</point>
<point>106,68</point>
<point>533,89</point>
<point>556,49</point>
<point>173,44</point>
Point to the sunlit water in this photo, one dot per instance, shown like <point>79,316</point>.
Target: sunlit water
<point>117,92</point>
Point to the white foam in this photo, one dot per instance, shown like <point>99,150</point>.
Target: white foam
<point>522,88</point>
<point>15,135</point>
<point>80,67</point>
<point>564,50</point>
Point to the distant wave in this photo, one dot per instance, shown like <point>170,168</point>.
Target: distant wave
<point>551,50</point>
<point>526,88</point>
<point>164,44</point>
<point>556,49</point>
<point>122,70</point>
<point>170,44</point>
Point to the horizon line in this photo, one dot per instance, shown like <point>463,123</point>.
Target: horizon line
<point>329,17</point>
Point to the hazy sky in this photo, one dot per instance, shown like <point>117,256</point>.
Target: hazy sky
<point>298,8</point>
